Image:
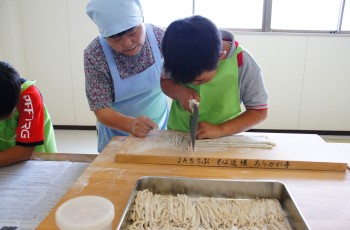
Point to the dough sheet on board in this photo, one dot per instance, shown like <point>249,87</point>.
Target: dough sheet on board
<point>170,140</point>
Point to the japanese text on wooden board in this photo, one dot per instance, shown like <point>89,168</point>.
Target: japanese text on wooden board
<point>239,163</point>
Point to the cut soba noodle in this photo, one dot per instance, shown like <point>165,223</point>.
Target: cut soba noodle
<point>155,211</point>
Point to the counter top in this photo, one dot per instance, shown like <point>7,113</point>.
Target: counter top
<point>322,196</point>
<point>71,157</point>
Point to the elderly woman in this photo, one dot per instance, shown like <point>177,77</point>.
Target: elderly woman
<point>122,71</point>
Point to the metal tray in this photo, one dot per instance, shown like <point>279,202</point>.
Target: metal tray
<point>220,188</point>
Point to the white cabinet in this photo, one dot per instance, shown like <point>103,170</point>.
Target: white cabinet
<point>325,101</point>
<point>307,77</point>
<point>282,59</point>
<point>81,32</point>
<point>47,54</point>
<point>53,34</point>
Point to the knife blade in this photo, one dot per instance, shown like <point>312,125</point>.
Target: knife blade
<point>194,123</point>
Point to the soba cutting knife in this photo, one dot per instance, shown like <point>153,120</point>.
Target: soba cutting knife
<point>194,121</point>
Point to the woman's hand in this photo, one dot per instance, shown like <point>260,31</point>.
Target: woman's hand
<point>141,126</point>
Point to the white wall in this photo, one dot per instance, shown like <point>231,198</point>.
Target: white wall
<point>308,79</point>
<point>307,76</point>
<point>11,42</point>
<point>282,61</point>
<point>45,43</point>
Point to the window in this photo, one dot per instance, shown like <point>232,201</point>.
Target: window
<point>305,15</point>
<point>346,18</point>
<point>162,13</point>
<point>256,15</point>
<point>232,13</point>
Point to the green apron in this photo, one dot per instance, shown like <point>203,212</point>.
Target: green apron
<point>220,99</point>
<point>8,130</point>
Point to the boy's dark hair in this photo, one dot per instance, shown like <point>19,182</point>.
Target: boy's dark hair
<point>191,46</point>
<point>10,89</point>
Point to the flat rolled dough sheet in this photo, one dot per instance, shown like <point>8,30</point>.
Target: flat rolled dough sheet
<point>170,140</point>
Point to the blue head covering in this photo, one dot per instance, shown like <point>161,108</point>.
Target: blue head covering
<point>114,16</point>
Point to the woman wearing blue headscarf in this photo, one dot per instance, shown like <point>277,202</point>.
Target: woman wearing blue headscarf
<point>122,71</point>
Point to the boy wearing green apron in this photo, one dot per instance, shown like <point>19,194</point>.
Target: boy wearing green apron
<point>204,63</point>
<point>25,124</point>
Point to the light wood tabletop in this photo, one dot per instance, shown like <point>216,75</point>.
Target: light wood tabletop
<point>322,196</point>
<point>72,157</point>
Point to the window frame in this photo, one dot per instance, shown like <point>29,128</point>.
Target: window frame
<point>267,17</point>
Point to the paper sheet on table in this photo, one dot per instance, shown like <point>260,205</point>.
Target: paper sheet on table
<point>29,190</point>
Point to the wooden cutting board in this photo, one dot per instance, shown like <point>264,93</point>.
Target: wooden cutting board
<point>246,150</point>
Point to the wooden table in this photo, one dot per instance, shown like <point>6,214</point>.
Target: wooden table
<point>323,197</point>
<point>72,157</point>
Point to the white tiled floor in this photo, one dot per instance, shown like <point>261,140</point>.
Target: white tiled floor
<point>85,141</point>
<point>76,141</point>
<point>336,139</point>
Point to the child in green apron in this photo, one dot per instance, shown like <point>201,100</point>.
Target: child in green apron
<point>204,63</point>
<point>25,124</point>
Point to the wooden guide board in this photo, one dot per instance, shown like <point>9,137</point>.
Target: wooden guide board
<point>292,151</point>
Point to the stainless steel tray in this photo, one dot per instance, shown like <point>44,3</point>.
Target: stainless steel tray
<point>220,188</point>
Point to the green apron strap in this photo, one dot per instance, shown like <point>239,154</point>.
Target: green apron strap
<point>26,84</point>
